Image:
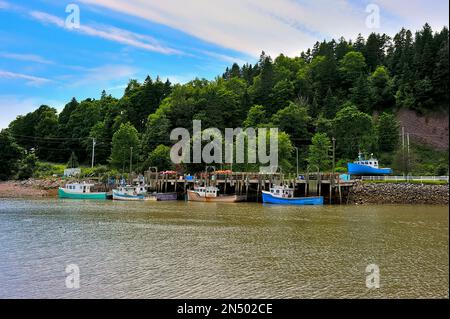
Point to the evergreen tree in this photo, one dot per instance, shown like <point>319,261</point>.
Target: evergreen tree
<point>387,132</point>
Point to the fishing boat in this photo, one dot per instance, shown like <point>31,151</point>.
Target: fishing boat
<point>285,195</point>
<point>211,194</point>
<point>367,167</point>
<point>130,192</point>
<point>80,191</point>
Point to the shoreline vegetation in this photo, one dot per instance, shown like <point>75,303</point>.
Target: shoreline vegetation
<point>339,97</point>
<point>363,193</point>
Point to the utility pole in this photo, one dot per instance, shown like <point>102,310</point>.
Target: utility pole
<point>334,155</point>
<point>93,151</point>
<point>131,160</point>
<point>407,159</point>
<point>403,151</point>
<point>296,154</point>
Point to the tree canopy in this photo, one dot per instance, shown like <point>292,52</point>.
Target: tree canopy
<point>335,89</point>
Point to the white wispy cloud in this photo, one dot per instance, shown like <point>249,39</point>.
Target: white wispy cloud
<point>25,57</point>
<point>20,105</point>
<point>29,79</point>
<point>282,26</point>
<point>415,13</point>
<point>109,33</point>
<point>4,5</point>
<point>179,78</point>
<point>223,57</point>
<point>100,75</point>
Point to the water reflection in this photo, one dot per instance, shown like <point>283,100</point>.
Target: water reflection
<point>203,250</point>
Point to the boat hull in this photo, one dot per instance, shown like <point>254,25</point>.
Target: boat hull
<point>357,169</point>
<point>166,196</point>
<point>195,197</point>
<point>268,198</point>
<point>64,194</point>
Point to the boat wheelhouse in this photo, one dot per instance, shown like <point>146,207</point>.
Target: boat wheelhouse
<point>80,191</point>
<point>285,195</point>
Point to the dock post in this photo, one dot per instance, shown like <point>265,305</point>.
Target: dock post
<point>247,182</point>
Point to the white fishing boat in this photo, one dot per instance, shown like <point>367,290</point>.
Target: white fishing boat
<point>130,192</point>
<point>211,194</point>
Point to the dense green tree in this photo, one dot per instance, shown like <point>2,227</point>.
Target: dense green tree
<point>264,82</point>
<point>157,132</point>
<point>36,131</point>
<point>360,94</point>
<point>160,158</point>
<point>282,93</point>
<point>440,77</point>
<point>294,120</point>
<point>353,130</point>
<point>125,141</point>
<point>319,151</point>
<point>100,133</point>
<point>323,125</point>
<point>352,67</point>
<point>64,116</point>
<point>11,155</point>
<point>381,89</point>
<point>387,132</point>
<point>28,166</point>
<point>256,116</point>
<point>374,50</point>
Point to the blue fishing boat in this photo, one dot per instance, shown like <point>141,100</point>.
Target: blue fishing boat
<point>367,167</point>
<point>285,196</point>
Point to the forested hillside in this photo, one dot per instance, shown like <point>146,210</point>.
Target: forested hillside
<point>349,90</point>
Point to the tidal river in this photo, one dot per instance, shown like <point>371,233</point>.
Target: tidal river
<point>210,250</point>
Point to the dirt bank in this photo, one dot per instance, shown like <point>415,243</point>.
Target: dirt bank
<point>431,129</point>
<point>404,193</point>
<point>29,188</point>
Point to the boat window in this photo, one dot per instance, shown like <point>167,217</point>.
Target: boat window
<point>370,163</point>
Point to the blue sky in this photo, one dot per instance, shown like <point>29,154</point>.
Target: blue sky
<point>44,62</point>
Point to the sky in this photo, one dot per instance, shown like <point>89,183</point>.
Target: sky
<point>47,58</point>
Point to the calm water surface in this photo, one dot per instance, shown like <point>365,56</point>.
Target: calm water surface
<point>204,250</point>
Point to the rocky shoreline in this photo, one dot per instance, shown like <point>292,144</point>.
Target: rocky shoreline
<point>32,188</point>
<point>398,193</point>
<point>360,194</point>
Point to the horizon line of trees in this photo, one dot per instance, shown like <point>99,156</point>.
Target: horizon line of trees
<point>343,89</point>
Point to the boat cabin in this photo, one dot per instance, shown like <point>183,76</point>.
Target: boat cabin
<point>208,191</point>
<point>132,190</point>
<point>79,188</point>
<point>282,192</point>
<point>372,162</point>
